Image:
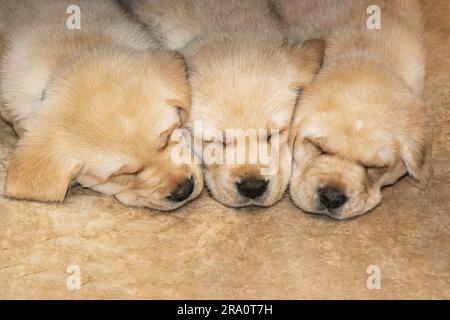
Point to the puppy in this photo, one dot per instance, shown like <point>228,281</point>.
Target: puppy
<point>245,78</point>
<point>94,105</point>
<point>362,124</point>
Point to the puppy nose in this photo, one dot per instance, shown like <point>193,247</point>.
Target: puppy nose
<point>252,187</point>
<point>183,191</point>
<point>331,198</point>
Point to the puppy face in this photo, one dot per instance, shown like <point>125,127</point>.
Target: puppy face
<point>357,129</point>
<point>243,90</point>
<point>106,123</point>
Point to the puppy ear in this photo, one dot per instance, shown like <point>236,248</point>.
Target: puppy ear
<point>308,58</point>
<point>415,144</point>
<point>293,130</point>
<point>183,106</point>
<point>417,159</point>
<point>182,95</point>
<point>39,172</point>
<point>292,138</point>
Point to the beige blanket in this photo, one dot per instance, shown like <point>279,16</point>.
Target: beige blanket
<point>206,250</point>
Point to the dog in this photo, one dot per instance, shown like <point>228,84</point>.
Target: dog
<point>94,105</point>
<point>245,77</point>
<point>362,124</point>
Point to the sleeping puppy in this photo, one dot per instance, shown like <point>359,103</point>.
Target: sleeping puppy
<point>245,79</point>
<point>362,124</point>
<point>94,105</point>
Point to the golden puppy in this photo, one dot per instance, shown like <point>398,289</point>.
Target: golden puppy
<point>93,105</point>
<point>245,79</point>
<point>362,124</point>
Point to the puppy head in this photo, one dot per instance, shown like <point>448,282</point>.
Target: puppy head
<point>106,123</point>
<point>243,90</point>
<point>358,128</point>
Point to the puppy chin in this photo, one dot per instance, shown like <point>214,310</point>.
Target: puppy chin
<point>197,176</point>
<point>358,204</point>
<point>130,198</point>
<point>133,198</point>
<point>224,191</point>
<point>226,196</point>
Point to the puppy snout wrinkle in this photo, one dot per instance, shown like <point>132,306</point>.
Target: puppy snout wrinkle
<point>183,191</point>
<point>331,198</point>
<point>252,187</point>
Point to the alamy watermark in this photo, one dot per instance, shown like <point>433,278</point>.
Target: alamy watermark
<point>374,279</point>
<point>233,147</point>
<point>73,22</point>
<point>73,281</point>
<point>374,20</point>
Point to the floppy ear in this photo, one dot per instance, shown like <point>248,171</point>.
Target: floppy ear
<point>417,159</point>
<point>183,106</point>
<point>38,172</point>
<point>293,133</point>
<point>293,130</point>
<point>308,58</point>
<point>182,96</point>
<point>415,145</point>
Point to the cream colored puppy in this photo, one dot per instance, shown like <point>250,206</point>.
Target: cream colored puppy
<point>244,78</point>
<point>362,124</point>
<point>94,105</point>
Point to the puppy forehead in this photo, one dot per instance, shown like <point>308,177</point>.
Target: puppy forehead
<point>314,128</point>
<point>164,118</point>
<point>241,119</point>
<point>360,139</point>
<point>246,107</point>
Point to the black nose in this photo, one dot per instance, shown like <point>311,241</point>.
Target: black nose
<point>183,191</point>
<point>331,198</point>
<point>252,187</point>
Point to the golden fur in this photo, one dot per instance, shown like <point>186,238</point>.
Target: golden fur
<point>243,75</point>
<point>95,106</point>
<point>362,124</point>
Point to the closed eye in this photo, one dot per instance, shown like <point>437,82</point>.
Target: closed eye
<point>218,142</point>
<point>318,147</point>
<point>322,151</point>
<point>125,171</point>
<point>134,173</point>
<point>215,138</point>
<point>164,137</point>
<point>375,173</point>
<point>373,167</point>
<point>164,140</point>
<point>272,133</point>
